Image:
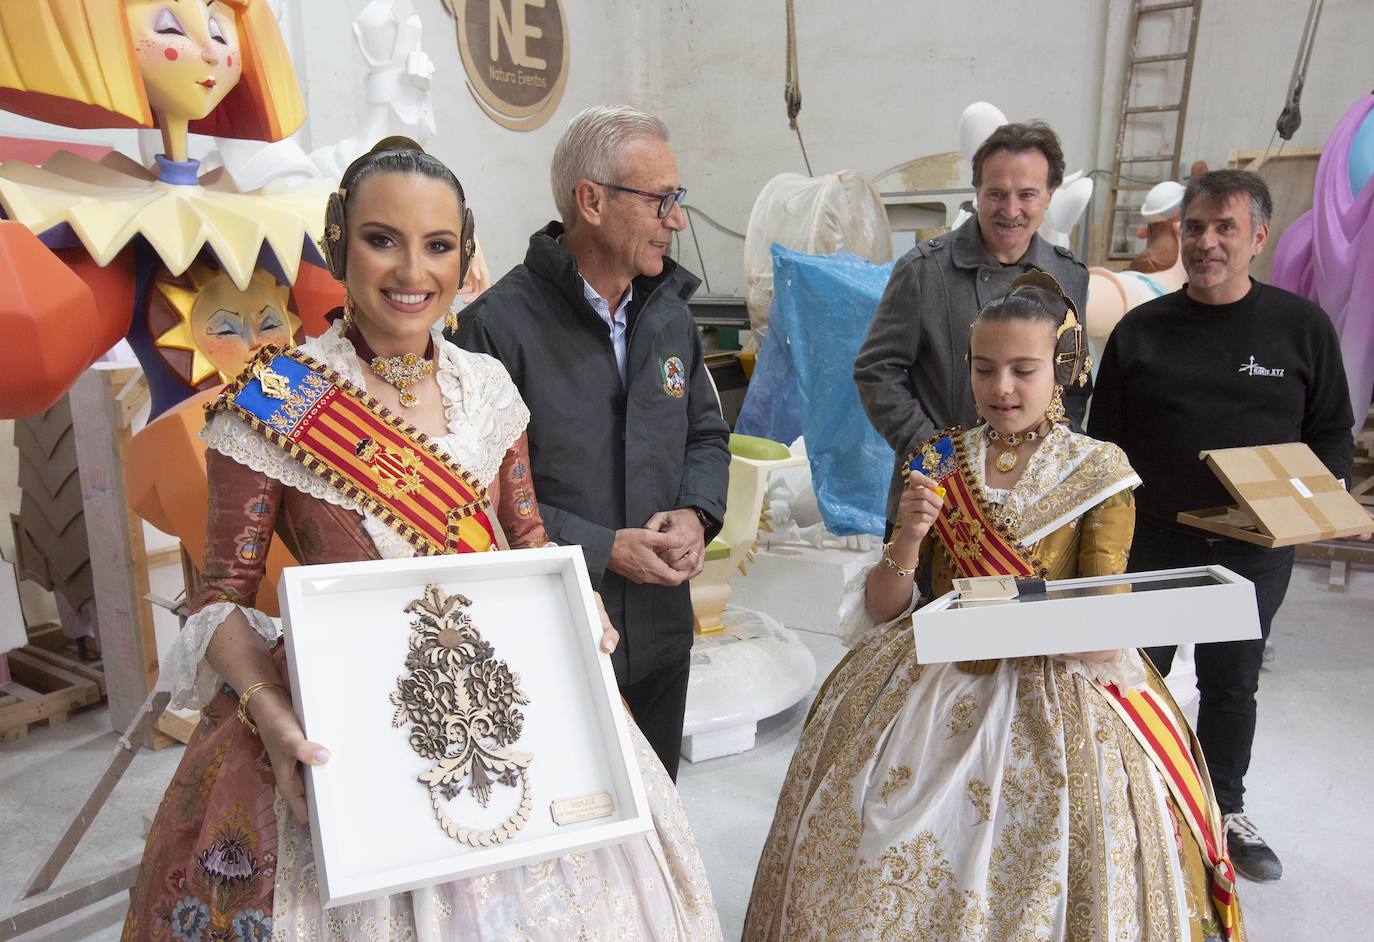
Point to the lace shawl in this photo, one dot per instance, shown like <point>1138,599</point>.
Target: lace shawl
<point>485,418</point>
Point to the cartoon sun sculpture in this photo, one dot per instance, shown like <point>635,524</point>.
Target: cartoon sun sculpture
<point>215,327</point>
<point>192,272</point>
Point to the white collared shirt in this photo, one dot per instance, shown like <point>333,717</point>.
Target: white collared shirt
<point>617,322</point>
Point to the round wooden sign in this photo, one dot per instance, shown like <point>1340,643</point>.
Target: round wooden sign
<point>515,53</point>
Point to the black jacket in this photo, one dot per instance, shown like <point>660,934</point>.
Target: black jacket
<point>606,455</point>
<point>1179,377</point>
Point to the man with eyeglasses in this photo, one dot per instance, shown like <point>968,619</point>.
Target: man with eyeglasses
<point>628,450</point>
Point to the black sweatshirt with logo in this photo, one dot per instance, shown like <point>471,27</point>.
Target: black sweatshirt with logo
<point>1178,377</point>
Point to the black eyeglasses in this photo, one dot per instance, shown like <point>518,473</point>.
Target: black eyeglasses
<point>666,201</point>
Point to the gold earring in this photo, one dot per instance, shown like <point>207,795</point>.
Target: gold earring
<point>1055,412</point>
<point>348,308</point>
<point>451,318</point>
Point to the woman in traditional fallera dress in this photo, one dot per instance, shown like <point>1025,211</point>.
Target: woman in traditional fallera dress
<point>1009,799</point>
<point>229,855</point>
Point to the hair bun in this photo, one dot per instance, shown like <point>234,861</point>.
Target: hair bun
<point>396,142</point>
<point>1071,363</point>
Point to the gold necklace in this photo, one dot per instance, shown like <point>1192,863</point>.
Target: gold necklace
<point>1007,458</point>
<point>400,371</point>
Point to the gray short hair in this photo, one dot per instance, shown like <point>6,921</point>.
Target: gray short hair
<point>593,147</point>
<point>1221,185</point>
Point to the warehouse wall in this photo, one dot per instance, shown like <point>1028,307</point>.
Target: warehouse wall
<point>885,82</point>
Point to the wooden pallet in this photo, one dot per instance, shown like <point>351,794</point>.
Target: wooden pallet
<point>50,637</point>
<point>1340,554</point>
<point>47,687</point>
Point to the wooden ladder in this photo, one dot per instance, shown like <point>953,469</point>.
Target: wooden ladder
<point>1143,171</point>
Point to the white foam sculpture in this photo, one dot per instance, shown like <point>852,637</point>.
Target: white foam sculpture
<point>397,101</point>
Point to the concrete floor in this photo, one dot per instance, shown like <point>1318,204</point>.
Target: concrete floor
<point>1308,788</point>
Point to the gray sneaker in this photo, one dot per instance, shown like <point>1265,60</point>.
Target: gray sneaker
<point>1250,855</point>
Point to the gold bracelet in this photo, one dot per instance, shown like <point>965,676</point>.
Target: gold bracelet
<point>891,563</point>
<point>242,712</point>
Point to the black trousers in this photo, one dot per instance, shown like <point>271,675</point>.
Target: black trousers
<point>658,703</point>
<point>1227,672</point>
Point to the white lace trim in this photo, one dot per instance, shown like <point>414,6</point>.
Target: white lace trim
<point>485,412</point>
<point>1049,465</point>
<point>1061,454</point>
<point>483,406</point>
<point>1124,669</point>
<point>231,437</point>
<point>389,543</point>
<point>856,624</point>
<point>185,673</point>
<point>485,418</point>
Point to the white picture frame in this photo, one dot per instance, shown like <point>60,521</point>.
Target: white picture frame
<point>1095,613</point>
<point>373,826</point>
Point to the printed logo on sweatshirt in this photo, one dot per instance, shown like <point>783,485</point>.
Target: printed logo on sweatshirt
<point>1254,369</point>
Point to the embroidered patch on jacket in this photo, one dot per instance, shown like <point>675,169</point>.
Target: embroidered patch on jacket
<point>674,377</point>
<point>1254,369</point>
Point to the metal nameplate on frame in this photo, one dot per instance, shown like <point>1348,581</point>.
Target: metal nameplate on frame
<point>583,808</point>
<point>986,588</point>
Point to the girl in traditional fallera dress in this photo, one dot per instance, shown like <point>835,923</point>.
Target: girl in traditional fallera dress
<point>1029,798</point>
<point>229,854</point>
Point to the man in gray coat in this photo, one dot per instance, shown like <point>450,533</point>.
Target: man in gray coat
<point>912,370</point>
<point>629,454</point>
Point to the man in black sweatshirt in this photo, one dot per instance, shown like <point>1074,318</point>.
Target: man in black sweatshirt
<point>1223,362</point>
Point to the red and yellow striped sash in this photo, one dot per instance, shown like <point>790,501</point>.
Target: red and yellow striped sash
<point>368,454</point>
<point>975,542</point>
<point>1149,720</point>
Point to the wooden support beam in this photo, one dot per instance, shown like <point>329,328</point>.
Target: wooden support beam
<point>124,753</point>
<point>35,911</point>
<point>103,402</point>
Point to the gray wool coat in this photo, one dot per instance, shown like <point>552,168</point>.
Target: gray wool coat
<point>912,370</point>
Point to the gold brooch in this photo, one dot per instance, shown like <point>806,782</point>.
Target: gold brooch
<point>274,385</point>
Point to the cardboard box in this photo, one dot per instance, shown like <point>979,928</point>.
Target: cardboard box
<point>1286,496</point>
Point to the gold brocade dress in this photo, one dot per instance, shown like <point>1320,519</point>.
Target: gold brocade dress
<point>225,859</point>
<point>996,801</point>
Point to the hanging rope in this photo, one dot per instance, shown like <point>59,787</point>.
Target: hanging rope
<point>792,93</point>
<point>1291,116</point>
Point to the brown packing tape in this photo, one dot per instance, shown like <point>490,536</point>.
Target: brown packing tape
<point>1291,494</point>
<point>1277,490</point>
<point>1314,513</point>
<point>1335,505</point>
<point>1302,466</point>
<point>1297,460</point>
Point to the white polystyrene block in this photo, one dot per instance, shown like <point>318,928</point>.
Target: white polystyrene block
<point>800,586</point>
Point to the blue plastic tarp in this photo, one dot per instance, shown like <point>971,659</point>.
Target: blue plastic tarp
<point>803,383</point>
